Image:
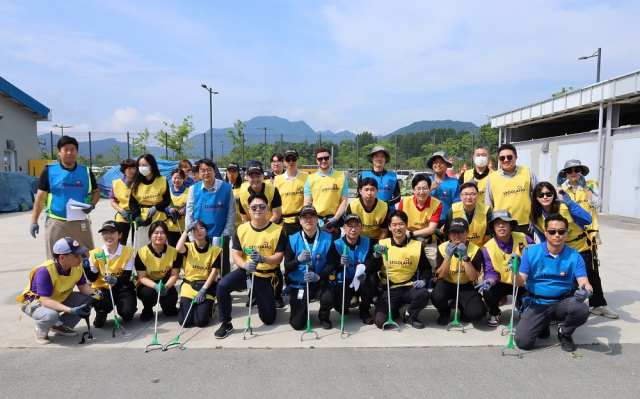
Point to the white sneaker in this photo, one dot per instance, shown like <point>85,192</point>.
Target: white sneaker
<point>604,311</point>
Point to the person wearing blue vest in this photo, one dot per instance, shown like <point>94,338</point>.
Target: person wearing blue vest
<point>59,183</point>
<point>443,188</point>
<point>388,188</point>
<point>314,247</point>
<point>549,270</point>
<point>211,200</point>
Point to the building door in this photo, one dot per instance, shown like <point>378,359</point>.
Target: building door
<point>9,164</point>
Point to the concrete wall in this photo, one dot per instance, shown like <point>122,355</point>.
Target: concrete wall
<point>18,125</point>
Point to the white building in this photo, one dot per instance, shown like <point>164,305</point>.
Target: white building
<point>598,124</point>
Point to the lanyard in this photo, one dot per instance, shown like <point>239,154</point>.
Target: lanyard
<point>315,243</point>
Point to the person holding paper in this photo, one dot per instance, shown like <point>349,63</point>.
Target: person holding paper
<point>59,183</point>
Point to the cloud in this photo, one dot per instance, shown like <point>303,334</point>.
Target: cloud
<point>129,119</point>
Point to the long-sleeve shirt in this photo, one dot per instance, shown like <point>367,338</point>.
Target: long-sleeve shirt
<point>507,248</point>
<point>291,262</point>
<point>231,207</point>
<point>448,192</point>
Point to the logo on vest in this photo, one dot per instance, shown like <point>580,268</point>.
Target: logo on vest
<point>67,292</point>
<point>400,263</point>
<point>258,247</point>
<point>199,267</point>
<point>213,207</point>
<point>73,186</point>
<point>333,188</point>
<point>509,193</point>
<point>298,191</point>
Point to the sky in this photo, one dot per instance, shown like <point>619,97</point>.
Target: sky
<point>117,66</point>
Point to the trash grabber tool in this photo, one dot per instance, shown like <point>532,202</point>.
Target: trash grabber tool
<point>176,340</point>
<point>249,329</point>
<point>136,223</point>
<point>117,325</point>
<point>309,330</point>
<point>345,251</point>
<point>389,321</point>
<point>510,345</point>
<point>155,326</point>
<point>89,303</point>
<point>455,322</point>
<point>508,329</point>
<point>222,257</point>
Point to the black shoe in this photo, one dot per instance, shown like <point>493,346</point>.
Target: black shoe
<point>463,317</point>
<point>545,333</point>
<point>99,320</point>
<point>443,320</point>
<point>279,303</point>
<point>566,343</point>
<point>170,312</point>
<point>313,299</point>
<point>366,317</point>
<point>224,330</point>
<point>146,315</point>
<point>252,305</point>
<point>415,323</point>
<point>326,324</point>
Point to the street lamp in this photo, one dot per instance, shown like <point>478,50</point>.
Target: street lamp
<point>599,54</point>
<point>62,127</point>
<point>266,162</point>
<point>204,139</point>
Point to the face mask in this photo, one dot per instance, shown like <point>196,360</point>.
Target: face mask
<point>144,170</point>
<point>481,161</point>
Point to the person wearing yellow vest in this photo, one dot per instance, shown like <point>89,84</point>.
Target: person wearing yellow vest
<point>201,267</point>
<point>114,278</point>
<point>497,252</point>
<point>424,214</point>
<point>477,214</point>
<point>177,210</point>
<point>511,188</point>
<point>154,262</point>
<point>327,191</point>
<point>290,184</point>
<point>587,194</point>
<point>119,196</point>
<point>479,172</point>
<point>372,211</point>
<point>409,274</point>
<point>458,256</point>
<point>50,292</point>
<point>150,195</point>
<point>59,183</point>
<point>233,177</point>
<point>256,184</point>
<point>266,242</point>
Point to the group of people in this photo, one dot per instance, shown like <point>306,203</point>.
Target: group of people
<point>469,239</point>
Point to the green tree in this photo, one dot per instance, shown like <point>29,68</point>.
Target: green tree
<point>561,92</point>
<point>365,138</point>
<point>42,149</point>
<point>237,138</point>
<point>139,143</point>
<point>114,156</point>
<point>176,138</point>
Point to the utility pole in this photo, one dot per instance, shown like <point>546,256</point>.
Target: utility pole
<point>204,137</point>
<point>266,156</point>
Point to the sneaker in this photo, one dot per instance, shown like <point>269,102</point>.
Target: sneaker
<point>494,321</point>
<point>366,317</point>
<point>146,315</point>
<point>463,317</point>
<point>279,303</point>
<point>415,323</point>
<point>42,340</point>
<point>326,324</point>
<point>566,343</point>
<point>64,331</point>
<point>99,320</point>
<point>443,320</point>
<point>355,302</point>
<point>546,332</point>
<point>604,311</point>
<point>224,330</point>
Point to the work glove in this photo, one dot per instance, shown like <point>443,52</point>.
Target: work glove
<point>88,210</point>
<point>565,198</point>
<point>175,217</point>
<point>86,265</point>
<point>251,266</point>
<point>163,291</point>
<point>462,250</point>
<point>344,260</point>
<point>582,182</point>
<point>560,179</point>
<point>379,250</point>
<point>510,263</point>
<point>311,277</point>
<point>484,285</point>
<point>82,311</point>
<point>449,250</point>
<point>109,279</point>
<point>237,199</point>
<point>419,284</point>
<point>192,224</point>
<point>419,239</point>
<point>202,295</point>
<point>152,211</point>
<point>125,214</point>
<point>582,294</point>
<point>257,257</point>
<point>362,277</point>
<point>217,242</point>
<point>34,229</point>
<point>329,223</point>
<point>305,256</point>
<point>409,235</point>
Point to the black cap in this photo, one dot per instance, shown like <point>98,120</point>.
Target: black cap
<point>233,165</point>
<point>254,166</point>
<point>109,225</point>
<point>459,224</point>
<point>308,209</point>
<point>352,216</point>
<point>291,152</point>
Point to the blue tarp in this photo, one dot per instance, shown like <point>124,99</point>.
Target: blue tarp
<point>16,188</point>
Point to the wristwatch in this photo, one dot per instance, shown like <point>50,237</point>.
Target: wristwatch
<point>466,259</point>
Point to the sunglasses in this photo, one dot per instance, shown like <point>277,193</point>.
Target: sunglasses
<point>292,159</point>
<point>573,170</point>
<point>320,159</point>
<point>507,157</point>
<point>547,194</point>
<point>262,207</point>
<point>553,232</point>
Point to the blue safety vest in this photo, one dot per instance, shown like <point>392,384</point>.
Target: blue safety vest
<point>65,185</point>
<point>212,209</point>
<point>318,257</point>
<point>386,184</point>
<point>548,277</point>
<point>356,256</point>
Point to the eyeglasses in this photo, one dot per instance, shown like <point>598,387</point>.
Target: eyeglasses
<point>351,227</point>
<point>507,157</point>
<point>421,189</point>
<point>275,160</point>
<point>469,195</point>
<point>254,208</point>
<point>547,194</point>
<point>325,159</point>
<point>291,159</point>
<point>573,170</point>
<point>456,233</point>
<point>205,171</point>
<point>553,232</point>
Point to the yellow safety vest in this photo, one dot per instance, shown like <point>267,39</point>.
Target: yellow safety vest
<point>454,266</point>
<point>580,197</point>
<point>482,183</point>
<point>576,236</point>
<point>179,201</point>
<point>197,266</point>
<point>402,263</point>
<point>150,195</point>
<point>478,226</point>
<point>269,192</point>
<point>326,192</point>
<point>292,194</point>
<point>122,192</point>
<point>264,241</point>
<point>419,219</point>
<point>62,285</point>
<point>236,193</point>
<point>157,268</point>
<point>513,194</point>
<point>115,266</point>
<point>500,260</point>
<point>371,221</point>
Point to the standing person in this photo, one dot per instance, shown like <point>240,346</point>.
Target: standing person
<point>587,194</point>
<point>277,166</point>
<point>119,196</point>
<point>186,167</point>
<point>257,185</point>
<point>211,200</point>
<point>409,273</point>
<point>176,211</point>
<point>497,252</point>
<point>461,259</point>
<point>549,269</point>
<point>150,193</point>
<point>371,210</point>
<point>195,173</point>
<point>234,178</point>
<point>50,292</point>
<point>157,262</point>
<point>444,188</point>
<point>423,212</point>
<point>267,244</point>
<point>291,187</point>
<point>479,173</point>
<point>511,187</point>
<point>477,214</point>
<point>388,188</point>
<point>312,247</point>
<point>59,183</point>
<point>114,278</point>
<point>201,267</point>
<point>327,190</point>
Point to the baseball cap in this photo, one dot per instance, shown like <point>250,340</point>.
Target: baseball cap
<point>68,245</point>
<point>109,225</point>
<point>459,224</point>
<point>254,166</point>
<point>352,216</point>
<point>233,165</point>
<point>308,209</point>
<point>291,152</point>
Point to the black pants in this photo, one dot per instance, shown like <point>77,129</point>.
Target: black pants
<point>524,228</point>
<point>320,290</point>
<point>262,291</point>
<point>593,274</point>
<point>199,315</point>
<point>291,228</point>
<point>277,292</point>
<point>493,295</point>
<point>173,237</point>
<point>149,298</point>
<point>416,298</point>
<point>366,292</point>
<point>124,299</point>
<point>470,302</point>
<point>572,313</point>
<point>125,228</point>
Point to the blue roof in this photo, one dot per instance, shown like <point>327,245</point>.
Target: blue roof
<point>42,113</point>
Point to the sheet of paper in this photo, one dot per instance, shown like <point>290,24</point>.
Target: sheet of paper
<point>355,284</point>
<point>74,210</point>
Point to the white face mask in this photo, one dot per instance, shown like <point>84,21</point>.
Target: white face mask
<point>144,170</point>
<point>481,161</point>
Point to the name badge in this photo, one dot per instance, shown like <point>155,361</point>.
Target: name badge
<point>300,294</point>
